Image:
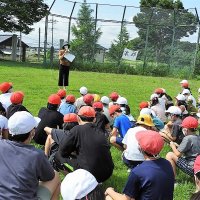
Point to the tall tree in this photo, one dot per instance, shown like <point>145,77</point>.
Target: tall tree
<point>85,42</point>
<point>164,21</point>
<point>117,46</point>
<point>21,14</point>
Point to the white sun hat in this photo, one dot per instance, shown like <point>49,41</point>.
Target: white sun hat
<point>147,111</point>
<point>153,96</point>
<point>180,97</point>
<point>77,184</point>
<point>186,91</point>
<point>175,110</point>
<point>22,122</point>
<point>121,101</point>
<point>83,90</point>
<point>105,100</point>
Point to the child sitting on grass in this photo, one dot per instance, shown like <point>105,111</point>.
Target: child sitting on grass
<point>184,156</point>
<point>56,135</point>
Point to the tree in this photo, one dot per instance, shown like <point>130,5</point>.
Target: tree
<point>117,47</point>
<point>85,42</point>
<point>21,14</point>
<point>164,21</point>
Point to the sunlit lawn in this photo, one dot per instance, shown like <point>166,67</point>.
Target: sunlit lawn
<point>38,83</point>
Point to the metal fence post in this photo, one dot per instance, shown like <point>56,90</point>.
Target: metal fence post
<point>146,41</point>
<point>45,34</point>
<point>120,42</point>
<point>95,30</point>
<point>198,40</point>
<point>70,19</point>
<point>172,45</point>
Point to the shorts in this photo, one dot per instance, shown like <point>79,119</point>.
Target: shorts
<point>183,164</point>
<point>43,193</point>
<point>119,141</point>
<point>65,164</point>
<point>130,163</point>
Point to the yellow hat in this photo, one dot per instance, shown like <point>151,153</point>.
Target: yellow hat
<point>96,97</point>
<point>145,119</point>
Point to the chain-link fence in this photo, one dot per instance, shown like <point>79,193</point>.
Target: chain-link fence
<point>164,39</point>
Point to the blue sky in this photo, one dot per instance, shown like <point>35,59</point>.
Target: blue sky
<point>110,30</point>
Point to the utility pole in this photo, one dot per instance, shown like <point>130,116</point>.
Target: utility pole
<point>52,47</point>
<point>20,46</point>
<point>45,40</point>
<point>39,46</point>
<point>52,21</point>
<point>45,34</point>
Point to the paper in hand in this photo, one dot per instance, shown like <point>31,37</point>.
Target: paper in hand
<point>70,57</point>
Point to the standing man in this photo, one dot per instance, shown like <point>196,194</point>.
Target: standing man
<point>63,79</point>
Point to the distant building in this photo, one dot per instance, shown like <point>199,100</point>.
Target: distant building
<point>6,47</point>
<point>100,55</point>
<point>33,51</point>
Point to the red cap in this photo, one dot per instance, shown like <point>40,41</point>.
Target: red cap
<point>71,117</point>
<point>158,91</point>
<point>114,96</point>
<point>113,109</point>
<point>190,122</point>
<point>61,93</point>
<point>86,111</point>
<point>197,165</point>
<point>97,105</point>
<point>185,85</point>
<point>17,97</point>
<point>88,99</point>
<point>4,87</point>
<point>54,99</point>
<point>144,104</point>
<point>150,141</point>
<point>70,98</point>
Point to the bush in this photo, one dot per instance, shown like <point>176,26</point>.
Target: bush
<point>132,68</point>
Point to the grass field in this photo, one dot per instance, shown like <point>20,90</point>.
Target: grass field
<point>38,83</point>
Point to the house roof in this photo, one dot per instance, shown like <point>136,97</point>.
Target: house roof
<point>7,39</point>
<point>101,47</point>
<point>7,52</point>
<point>4,37</point>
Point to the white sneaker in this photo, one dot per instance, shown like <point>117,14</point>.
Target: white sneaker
<point>129,170</point>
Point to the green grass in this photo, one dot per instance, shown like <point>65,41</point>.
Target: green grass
<point>38,83</point>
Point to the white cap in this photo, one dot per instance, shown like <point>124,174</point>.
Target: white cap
<point>77,184</point>
<point>180,97</point>
<point>83,90</point>
<point>186,91</point>
<point>153,96</point>
<point>148,111</point>
<point>122,100</point>
<point>164,91</point>
<point>105,100</point>
<point>184,81</point>
<point>174,110</point>
<point>22,122</point>
<point>198,115</point>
